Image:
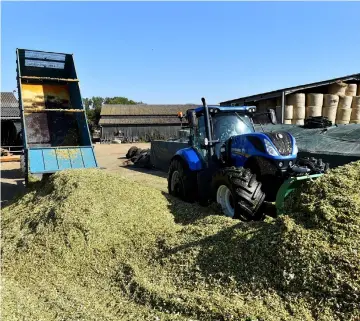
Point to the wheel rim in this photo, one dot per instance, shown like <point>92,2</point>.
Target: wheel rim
<point>175,182</point>
<point>225,199</point>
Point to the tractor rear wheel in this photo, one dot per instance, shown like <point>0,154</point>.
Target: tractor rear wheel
<point>238,193</point>
<point>182,181</point>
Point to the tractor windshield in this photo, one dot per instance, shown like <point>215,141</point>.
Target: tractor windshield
<point>230,124</point>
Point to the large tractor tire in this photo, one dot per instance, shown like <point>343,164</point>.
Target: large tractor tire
<point>131,152</point>
<point>239,193</point>
<point>182,181</point>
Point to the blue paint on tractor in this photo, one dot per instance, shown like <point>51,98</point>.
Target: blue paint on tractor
<point>242,148</point>
<point>191,158</point>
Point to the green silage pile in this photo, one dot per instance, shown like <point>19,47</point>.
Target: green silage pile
<point>93,246</point>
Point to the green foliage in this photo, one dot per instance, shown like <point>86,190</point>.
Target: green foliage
<point>89,245</point>
<point>119,101</point>
<point>87,103</point>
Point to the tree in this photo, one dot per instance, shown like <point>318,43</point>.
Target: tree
<point>93,107</point>
<point>119,101</point>
<point>87,103</point>
<point>97,102</point>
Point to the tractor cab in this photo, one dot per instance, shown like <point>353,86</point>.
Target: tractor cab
<point>212,126</point>
<point>223,122</point>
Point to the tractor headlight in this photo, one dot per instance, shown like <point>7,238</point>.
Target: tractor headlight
<point>270,149</point>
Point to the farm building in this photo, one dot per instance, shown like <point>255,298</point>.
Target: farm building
<point>338,99</point>
<point>10,120</point>
<point>142,122</point>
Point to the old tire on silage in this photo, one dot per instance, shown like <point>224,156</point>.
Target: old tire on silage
<point>131,152</point>
<point>246,193</point>
<point>186,186</point>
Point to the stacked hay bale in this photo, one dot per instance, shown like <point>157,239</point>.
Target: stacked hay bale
<point>314,103</point>
<point>338,88</point>
<point>330,105</point>
<point>344,110</point>
<point>288,114</point>
<point>346,94</point>
<point>351,90</point>
<point>355,110</point>
<point>297,101</point>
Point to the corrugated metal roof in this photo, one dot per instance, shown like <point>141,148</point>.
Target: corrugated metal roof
<point>132,110</point>
<point>9,106</point>
<point>136,120</point>
<point>289,90</point>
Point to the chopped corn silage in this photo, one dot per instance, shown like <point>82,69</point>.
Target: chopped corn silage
<point>89,245</point>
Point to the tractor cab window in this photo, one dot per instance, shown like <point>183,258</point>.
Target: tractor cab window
<point>201,127</point>
<point>200,135</point>
<point>230,124</point>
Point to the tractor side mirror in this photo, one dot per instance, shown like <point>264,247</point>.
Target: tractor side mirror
<point>272,116</point>
<point>192,119</point>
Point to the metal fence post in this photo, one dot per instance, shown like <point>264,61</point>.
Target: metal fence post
<point>282,106</point>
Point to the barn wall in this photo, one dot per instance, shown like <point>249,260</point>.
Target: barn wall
<point>145,133</point>
<point>10,133</point>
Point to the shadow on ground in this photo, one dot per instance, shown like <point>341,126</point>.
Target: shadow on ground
<point>250,253</point>
<point>188,213</point>
<point>154,172</point>
<point>12,185</point>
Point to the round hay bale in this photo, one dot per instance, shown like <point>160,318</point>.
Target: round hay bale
<point>345,101</point>
<point>358,91</point>
<point>299,112</point>
<point>330,100</point>
<point>287,121</point>
<point>343,114</point>
<point>342,122</point>
<point>297,100</point>
<point>355,102</point>
<point>299,122</point>
<point>355,114</point>
<point>330,113</point>
<point>351,90</point>
<point>354,121</point>
<point>313,111</point>
<point>289,112</point>
<point>314,99</point>
<point>338,88</point>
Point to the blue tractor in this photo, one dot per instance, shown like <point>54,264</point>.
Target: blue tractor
<point>244,171</point>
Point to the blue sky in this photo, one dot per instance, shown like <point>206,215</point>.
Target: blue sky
<point>177,52</point>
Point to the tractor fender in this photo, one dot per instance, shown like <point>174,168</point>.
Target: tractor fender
<point>190,157</point>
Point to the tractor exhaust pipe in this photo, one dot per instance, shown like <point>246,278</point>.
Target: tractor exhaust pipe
<point>208,128</point>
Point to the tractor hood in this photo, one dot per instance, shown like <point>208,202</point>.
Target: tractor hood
<point>274,145</point>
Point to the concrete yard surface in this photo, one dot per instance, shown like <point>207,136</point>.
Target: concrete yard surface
<point>110,157</point>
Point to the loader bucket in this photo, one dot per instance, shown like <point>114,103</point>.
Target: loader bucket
<point>288,187</point>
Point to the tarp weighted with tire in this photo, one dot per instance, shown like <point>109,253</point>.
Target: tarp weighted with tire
<point>337,145</point>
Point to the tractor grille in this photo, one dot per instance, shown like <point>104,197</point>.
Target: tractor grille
<point>282,142</point>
